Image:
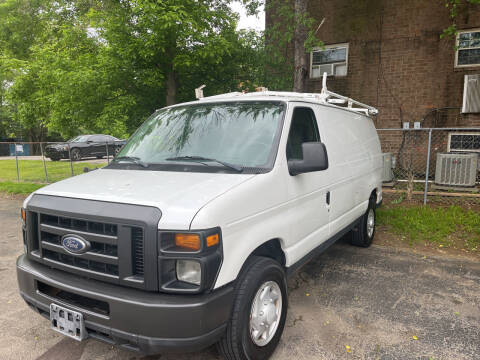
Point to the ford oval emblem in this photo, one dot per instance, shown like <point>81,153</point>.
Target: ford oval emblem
<point>75,244</point>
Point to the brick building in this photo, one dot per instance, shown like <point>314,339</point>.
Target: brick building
<point>389,54</point>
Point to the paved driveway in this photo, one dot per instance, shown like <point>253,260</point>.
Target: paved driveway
<point>381,302</point>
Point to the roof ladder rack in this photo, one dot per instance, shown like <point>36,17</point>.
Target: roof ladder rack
<point>330,97</point>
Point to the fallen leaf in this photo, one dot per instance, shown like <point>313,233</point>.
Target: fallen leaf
<point>457,313</point>
<point>441,245</point>
<point>36,337</point>
<point>415,337</point>
<point>307,294</point>
<point>9,301</point>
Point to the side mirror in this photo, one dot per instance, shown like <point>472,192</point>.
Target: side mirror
<point>314,159</point>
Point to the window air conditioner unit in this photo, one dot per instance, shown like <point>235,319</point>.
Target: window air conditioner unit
<point>387,167</point>
<point>456,169</point>
<point>327,68</point>
<point>471,94</point>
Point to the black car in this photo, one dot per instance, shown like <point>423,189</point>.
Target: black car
<point>85,146</point>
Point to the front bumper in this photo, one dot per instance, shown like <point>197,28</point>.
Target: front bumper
<point>137,320</point>
<point>52,152</point>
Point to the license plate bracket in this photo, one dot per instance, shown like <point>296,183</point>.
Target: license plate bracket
<point>67,322</point>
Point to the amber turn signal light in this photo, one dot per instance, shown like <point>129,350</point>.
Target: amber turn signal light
<point>188,241</point>
<point>212,240</point>
<point>24,215</point>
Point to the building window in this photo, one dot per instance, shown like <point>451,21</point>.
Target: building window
<point>333,60</point>
<point>468,48</point>
<point>464,142</point>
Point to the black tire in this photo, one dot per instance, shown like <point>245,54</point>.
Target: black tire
<point>99,157</point>
<point>363,235</point>
<point>237,343</point>
<point>75,154</point>
<point>55,158</point>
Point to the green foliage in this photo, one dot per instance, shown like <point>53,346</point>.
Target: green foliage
<point>102,66</point>
<point>18,188</point>
<point>279,37</point>
<point>454,7</point>
<point>437,225</point>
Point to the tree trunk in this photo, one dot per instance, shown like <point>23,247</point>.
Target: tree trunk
<point>172,85</point>
<point>300,58</point>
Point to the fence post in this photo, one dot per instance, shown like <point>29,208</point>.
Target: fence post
<point>16,161</point>
<point>427,170</point>
<point>108,156</point>
<point>44,165</point>
<point>70,158</point>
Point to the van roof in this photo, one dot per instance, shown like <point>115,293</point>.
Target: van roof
<point>325,98</point>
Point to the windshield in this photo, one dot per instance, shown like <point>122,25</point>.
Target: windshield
<point>242,134</point>
<point>81,138</point>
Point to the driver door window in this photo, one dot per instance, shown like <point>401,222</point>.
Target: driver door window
<point>303,128</point>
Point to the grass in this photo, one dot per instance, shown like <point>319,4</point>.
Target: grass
<point>443,226</point>
<point>19,188</point>
<point>33,170</point>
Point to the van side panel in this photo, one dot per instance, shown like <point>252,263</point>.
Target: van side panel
<point>355,163</point>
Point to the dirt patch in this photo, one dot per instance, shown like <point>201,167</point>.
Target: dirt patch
<point>5,196</point>
<point>384,237</point>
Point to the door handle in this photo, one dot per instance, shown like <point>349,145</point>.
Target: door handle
<point>328,198</point>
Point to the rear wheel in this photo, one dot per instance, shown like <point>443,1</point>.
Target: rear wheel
<point>363,234</point>
<point>259,312</point>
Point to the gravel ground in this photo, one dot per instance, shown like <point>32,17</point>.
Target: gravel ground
<point>349,303</point>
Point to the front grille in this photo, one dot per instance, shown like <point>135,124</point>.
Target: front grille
<point>71,260</point>
<point>137,251</point>
<point>79,225</point>
<point>102,258</point>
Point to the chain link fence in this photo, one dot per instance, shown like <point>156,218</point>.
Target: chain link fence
<point>435,166</point>
<point>47,162</point>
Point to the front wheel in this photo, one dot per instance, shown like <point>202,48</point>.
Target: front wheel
<point>75,154</point>
<point>259,312</point>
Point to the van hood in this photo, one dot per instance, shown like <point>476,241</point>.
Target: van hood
<point>178,195</point>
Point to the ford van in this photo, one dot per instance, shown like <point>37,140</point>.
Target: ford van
<point>188,237</point>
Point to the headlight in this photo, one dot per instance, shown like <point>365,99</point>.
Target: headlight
<point>189,261</point>
<point>189,271</point>
<point>65,148</point>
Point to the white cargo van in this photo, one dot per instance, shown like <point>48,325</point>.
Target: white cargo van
<point>188,237</point>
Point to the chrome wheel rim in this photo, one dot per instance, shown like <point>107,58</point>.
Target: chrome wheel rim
<point>370,223</point>
<point>76,155</point>
<point>265,313</point>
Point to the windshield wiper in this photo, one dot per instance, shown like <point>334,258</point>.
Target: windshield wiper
<point>132,159</point>
<point>201,159</point>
